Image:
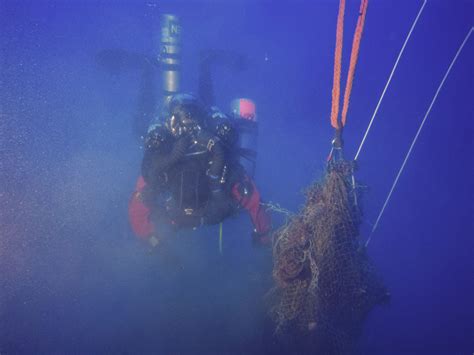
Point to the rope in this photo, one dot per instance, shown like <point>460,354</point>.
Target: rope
<point>354,57</point>
<point>337,65</point>
<point>389,79</point>
<point>275,207</point>
<point>338,60</point>
<point>418,133</point>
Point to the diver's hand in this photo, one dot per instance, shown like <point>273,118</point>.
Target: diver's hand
<point>262,239</point>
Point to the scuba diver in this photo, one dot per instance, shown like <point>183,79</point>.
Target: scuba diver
<point>191,174</point>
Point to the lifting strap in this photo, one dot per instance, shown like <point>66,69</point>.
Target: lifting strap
<point>336,122</point>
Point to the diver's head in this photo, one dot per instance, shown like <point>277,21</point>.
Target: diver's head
<point>186,113</point>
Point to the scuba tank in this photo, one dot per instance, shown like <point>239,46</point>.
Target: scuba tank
<point>244,112</point>
<point>169,58</point>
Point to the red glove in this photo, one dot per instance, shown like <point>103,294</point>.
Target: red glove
<point>262,239</point>
<point>247,196</point>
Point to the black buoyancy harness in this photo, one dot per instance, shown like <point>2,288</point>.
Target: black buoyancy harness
<point>197,178</point>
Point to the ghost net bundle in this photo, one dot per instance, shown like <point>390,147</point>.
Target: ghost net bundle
<point>325,284</point>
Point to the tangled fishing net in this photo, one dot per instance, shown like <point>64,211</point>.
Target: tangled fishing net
<point>325,284</point>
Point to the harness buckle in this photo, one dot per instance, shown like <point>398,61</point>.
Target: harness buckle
<point>188,211</point>
<point>210,144</point>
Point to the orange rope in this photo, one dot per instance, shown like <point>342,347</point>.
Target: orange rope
<point>354,57</point>
<point>353,61</point>
<point>337,65</point>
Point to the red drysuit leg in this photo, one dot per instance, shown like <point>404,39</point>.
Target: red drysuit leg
<point>139,212</point>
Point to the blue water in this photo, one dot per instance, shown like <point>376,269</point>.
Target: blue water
<point>74,279</point>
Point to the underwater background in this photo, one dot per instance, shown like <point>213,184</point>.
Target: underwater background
<point>74,279</point>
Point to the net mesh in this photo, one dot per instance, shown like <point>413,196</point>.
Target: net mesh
<point>325,285</point>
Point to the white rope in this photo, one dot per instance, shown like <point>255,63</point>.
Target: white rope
<point>418,133</point>
<point>389,80</point>
<point>272,206</point>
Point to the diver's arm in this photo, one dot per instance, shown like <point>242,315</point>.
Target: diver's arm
<point>215,147</point>
<point>139,212</point>
<point>161,152</point>
<point>159,156</point>
<point>220,204</point>
<point>247,196</point>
